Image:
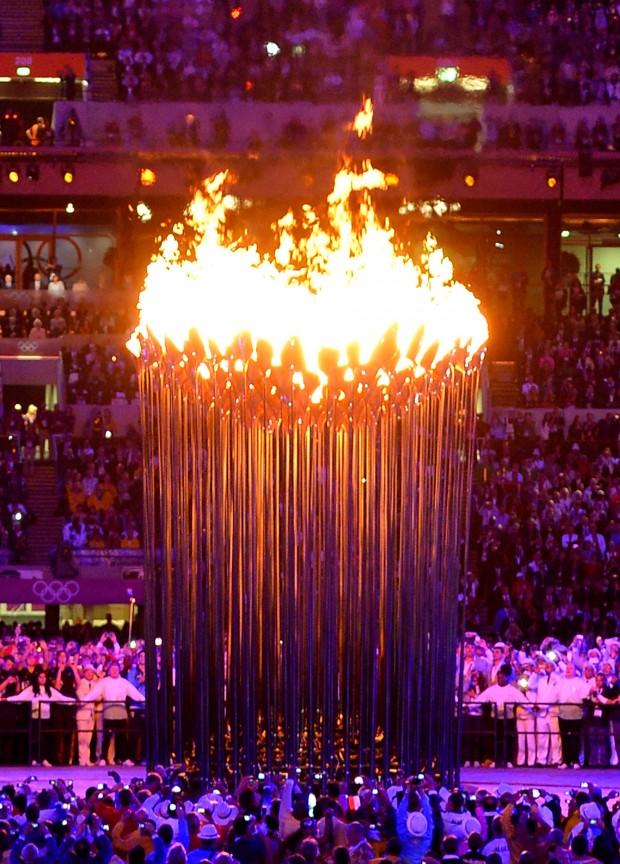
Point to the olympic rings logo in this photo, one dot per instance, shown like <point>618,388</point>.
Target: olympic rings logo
<point>27,347</point>
<point>55,591</point>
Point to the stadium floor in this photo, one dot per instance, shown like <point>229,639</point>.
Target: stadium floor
<point>552,779</point>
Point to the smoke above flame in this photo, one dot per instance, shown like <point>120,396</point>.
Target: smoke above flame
<point>334,284</point>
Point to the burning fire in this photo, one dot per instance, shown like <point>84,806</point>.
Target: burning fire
<point>362,124</point>
<point>337,284</point>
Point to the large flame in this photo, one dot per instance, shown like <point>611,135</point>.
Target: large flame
<point>337,284</point>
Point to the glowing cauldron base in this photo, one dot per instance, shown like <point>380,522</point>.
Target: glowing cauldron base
<point>304,564</point>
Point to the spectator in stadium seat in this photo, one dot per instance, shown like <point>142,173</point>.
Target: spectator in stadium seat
<point>74,533</point>
<point>37,331</point>
<point>39,134</point>
<point>55,286</point>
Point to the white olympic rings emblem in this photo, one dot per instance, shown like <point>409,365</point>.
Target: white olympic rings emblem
<point>55,591</point>
<point>27,347</point>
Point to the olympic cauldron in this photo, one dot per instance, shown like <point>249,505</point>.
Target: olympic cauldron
<point>308,425</point>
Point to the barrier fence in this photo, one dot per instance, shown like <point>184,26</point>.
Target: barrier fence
<point>64,733</point>
<point>525,734</point>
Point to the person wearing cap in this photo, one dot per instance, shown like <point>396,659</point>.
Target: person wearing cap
<point>472,662</point>
<point>414,825</point>
<point>548,741</point>
<point>499,659</point>
<point>224,814</point>
<point>85,715</point>
<point>589,824</point>
<point>611,650</point>
<point>525,717</point>
<point>209,843</point>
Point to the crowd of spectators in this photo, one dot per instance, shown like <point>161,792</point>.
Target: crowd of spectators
<point>169,817</point>
<point>67,701</point>
<point>102,489</point>
<point>562,52</point>
<point>53,318</point>
<point>99,375</point>
<point>265,50</point>
<point>545,527</point>
<point>57,308</point>
<point>546,703</point>
<point>570,355</point>
<point>506,132</point>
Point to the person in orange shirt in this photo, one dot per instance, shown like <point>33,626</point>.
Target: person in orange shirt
<point>39,133</point>
<point>130,539</point>
<point>97,540</point>
<point>125,836</point>
<point>109,488</point>
<point>101,500</point>
<point>75,493</point>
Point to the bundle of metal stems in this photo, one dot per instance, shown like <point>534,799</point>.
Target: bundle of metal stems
<point>305,564</point>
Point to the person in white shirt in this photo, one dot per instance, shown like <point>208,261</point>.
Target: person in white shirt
<point>114,691</point>
<point>499,658</point>
<point>41,695</point>
<point>548,741</point>
<point>572,690</point>
<point>457,821</point>
<point>85,715</point>
<point>497,842</point>
<point>56,287</point>
<point>290,815</point>
<point>74,533</point>
<point>526,723</point>
<point>504,696</point>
